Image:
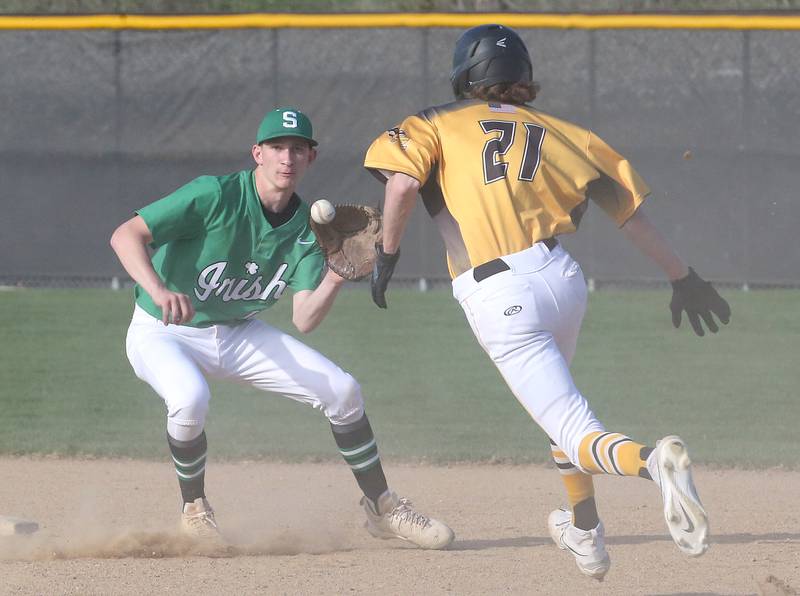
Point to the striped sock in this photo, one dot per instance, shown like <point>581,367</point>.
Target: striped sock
<point>358,447</point>
<point>190,465</point>
<point>612,453</point>
<point>580,490</point>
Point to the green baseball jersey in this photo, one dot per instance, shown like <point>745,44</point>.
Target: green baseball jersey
<point>214,244</point>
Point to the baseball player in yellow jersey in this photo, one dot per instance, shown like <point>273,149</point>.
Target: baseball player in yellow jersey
<point>501,181</point>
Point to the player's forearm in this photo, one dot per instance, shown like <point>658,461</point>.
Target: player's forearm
<point>310,308</point>
<point>401,196</point>
<point>130,245</point>
<point>644,235</point>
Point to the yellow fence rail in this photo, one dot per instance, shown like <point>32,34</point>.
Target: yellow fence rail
<point>392,20</point>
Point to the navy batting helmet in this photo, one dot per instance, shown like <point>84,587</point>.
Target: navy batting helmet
<point>487,55</point>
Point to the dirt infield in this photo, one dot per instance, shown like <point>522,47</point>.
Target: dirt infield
<point>108,527</point>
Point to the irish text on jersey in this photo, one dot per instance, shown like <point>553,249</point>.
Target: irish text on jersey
<point>210,281</point>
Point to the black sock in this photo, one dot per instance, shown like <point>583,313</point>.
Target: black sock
<point>585,515</point>
<point>358,447</point>
<point>189,458</point>
<point>644,453</point>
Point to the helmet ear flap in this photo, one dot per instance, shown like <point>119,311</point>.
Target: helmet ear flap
<point>459,83</point>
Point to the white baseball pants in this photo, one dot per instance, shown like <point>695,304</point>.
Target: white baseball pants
<point>175,360</point>
<point>527,319</point>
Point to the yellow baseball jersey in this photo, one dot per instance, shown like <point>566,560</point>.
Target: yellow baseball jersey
<point>509,175</point>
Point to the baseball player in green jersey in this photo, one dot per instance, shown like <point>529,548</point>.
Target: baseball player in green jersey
<point>226,248</point>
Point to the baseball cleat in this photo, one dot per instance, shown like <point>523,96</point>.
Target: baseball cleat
<point>396,518</point>
<point>198,520</point>
<point>587,546</point>
<point>671,469</point>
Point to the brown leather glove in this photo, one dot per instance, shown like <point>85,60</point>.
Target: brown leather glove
<point>348,242</point>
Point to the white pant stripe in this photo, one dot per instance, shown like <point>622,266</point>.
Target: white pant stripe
<point>190,476</point>
<point>189,464</point>
<point>357,450</point>
<point>366,464</point>
<point>569,471</point>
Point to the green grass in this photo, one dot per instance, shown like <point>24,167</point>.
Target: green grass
<point>431,393</point>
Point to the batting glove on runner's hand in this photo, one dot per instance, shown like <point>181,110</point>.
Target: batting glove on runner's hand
<point>382,273</point>
<point>699,299</point>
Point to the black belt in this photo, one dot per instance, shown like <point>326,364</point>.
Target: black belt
<point>495,266</point>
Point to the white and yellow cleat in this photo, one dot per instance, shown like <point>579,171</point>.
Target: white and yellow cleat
<point>686,518</point>
<point>197,521</point>
<point>587,546</point>
<point>397,519</point>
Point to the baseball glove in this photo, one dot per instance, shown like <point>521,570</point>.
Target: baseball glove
<point>348,242</point>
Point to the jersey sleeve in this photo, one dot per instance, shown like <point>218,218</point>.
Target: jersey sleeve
<point>412,148</point>
<point>308,272</point>
<point>619,190</point>
<point>183,213</point>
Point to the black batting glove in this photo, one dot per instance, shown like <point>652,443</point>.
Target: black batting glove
<point>699,299</point>
<point>382,273</point>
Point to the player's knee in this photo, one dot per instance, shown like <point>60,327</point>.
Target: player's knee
<point>182,432</point>
<point>567,422</point>
<point>573,443</point>
<point>190,407</point>
<point>347,403</point>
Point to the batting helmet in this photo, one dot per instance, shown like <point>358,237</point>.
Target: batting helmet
<point>487,55</point>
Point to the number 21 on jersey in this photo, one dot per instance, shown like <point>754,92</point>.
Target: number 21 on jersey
<point>494,170</point>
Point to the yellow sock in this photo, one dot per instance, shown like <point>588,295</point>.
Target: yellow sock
<point>611,453</point>
<point>579,486</point>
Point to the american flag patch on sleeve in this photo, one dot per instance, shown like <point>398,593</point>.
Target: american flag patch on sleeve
<point>503,108</point>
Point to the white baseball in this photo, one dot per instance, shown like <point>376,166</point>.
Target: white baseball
<point>323,212</point>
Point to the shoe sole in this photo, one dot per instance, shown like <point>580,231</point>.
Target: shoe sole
<point>597,574</point>
<point>378,533</point>
<point>555,534</point>
<point>207,536</point>
<point>686,518</point>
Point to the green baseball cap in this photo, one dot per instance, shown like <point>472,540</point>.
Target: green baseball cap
<point>285,122</point>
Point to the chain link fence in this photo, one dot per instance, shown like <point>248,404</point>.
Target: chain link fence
<point>99,122</point>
